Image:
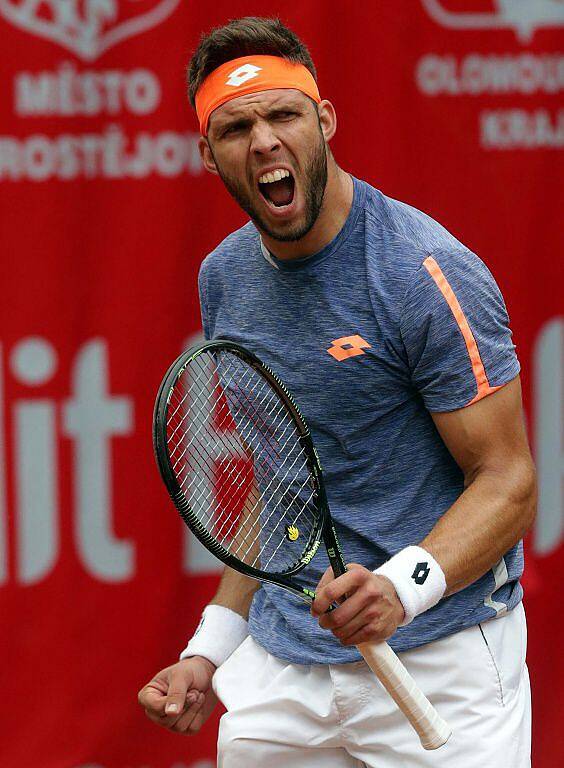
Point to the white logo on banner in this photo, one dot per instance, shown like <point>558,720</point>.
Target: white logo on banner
<point>68,91</point>
<point>90,418</point>
<point>548,389</point>
<point>523,16</point>
<point>88,28</point>
<point>523,73</point>
<point>242,74</point>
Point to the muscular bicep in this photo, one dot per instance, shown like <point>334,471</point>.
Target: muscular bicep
<point>488,435</point>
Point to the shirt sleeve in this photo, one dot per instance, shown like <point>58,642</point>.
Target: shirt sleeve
<point>202,292</point>
<point>455,330</point>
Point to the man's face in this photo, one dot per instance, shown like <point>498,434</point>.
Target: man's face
<point>270,152</point>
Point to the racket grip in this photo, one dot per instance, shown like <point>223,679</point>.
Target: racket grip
<point>432,730</point>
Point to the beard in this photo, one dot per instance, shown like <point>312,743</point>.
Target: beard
<point>315,181</point>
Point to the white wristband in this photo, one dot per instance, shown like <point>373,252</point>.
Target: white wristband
<point>418,579</point>
<point>219,633</point>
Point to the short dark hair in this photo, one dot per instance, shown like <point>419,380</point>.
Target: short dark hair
<point>248,36</point>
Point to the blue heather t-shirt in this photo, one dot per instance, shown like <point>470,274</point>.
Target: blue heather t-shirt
<point>391,320</point>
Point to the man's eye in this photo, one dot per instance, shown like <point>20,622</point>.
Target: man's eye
<point>233,129</point>
<point>284,115</point>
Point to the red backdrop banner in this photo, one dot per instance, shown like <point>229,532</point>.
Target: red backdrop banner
<point>453,106</point>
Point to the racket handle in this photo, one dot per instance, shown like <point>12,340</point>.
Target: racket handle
<point>432,730</point>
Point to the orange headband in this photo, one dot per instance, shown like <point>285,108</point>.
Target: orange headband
<point>250,74</point>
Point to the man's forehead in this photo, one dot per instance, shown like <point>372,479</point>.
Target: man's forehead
<point>243,106</point>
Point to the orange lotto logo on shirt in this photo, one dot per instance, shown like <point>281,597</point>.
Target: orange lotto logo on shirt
<point>348,346</point>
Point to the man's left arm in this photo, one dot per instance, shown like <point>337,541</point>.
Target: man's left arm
<point>457,342</point>
<point>488,441</point>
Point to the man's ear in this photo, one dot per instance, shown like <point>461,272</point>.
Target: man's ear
<point>327,119</point>
<point>206,155</point>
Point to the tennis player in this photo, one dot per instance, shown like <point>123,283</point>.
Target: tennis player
<point>394,339</point>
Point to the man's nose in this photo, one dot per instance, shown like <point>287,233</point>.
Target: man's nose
<point>263,138</point>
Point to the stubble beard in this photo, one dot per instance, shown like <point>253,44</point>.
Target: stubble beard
<point>315,180</point>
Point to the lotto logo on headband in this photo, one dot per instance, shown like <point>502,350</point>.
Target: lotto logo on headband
<point>242,74</point>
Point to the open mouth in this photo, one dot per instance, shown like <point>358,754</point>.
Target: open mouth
<point>277,187</point>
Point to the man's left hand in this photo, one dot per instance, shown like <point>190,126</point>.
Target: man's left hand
<point>369,609</point>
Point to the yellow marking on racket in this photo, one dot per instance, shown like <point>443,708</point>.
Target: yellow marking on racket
<point>292,532</point>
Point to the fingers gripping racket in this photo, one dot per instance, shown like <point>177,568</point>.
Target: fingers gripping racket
<point>239,463</point>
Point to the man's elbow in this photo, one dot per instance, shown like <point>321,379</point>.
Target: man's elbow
<point>524,495</point>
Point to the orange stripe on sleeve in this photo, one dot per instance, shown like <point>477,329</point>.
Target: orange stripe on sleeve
<point>477,365</point>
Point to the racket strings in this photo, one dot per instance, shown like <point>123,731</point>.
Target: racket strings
<point>273,512</point>
<point>226,534</point>
<point>183,400</point>
<point>237,456</point>
<point>234,479</point>
<point>246,436</point>
<point>285,458</point>
<point>251,545</point>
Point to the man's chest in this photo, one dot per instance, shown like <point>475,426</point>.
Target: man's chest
<point>334,345</point>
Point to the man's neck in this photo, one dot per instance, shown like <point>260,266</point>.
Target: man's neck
<point>335,209</point>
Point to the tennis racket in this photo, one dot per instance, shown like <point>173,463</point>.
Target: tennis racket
<point>239,463</point>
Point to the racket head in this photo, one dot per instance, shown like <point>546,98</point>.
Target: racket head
<point>238,461</point>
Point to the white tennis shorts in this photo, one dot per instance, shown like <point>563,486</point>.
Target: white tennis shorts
<point>282,715</point>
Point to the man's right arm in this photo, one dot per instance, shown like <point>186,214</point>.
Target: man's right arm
<point>180,697</point>
<point>235,592</point>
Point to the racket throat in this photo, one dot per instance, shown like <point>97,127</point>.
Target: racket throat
<point>333,549</point>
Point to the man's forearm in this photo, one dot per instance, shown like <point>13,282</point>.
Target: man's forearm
<point>236,592</point>
<point>220,632</point>
<point>491,516</point>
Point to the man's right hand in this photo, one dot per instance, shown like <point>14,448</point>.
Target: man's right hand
<point>180,697</point>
